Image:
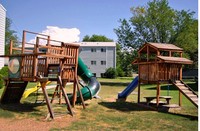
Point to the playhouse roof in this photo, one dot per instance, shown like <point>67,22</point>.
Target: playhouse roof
<point>159,46</point>
<point>176,60</point>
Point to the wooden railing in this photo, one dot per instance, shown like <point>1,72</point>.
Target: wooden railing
<point>34,63</point>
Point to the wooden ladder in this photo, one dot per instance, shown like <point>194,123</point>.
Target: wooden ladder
<point>187,91</point>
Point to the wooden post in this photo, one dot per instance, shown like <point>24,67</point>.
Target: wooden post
<point>82,100</point>
<point>180,99</point>
<point>148,64</point>
<point>170,53</point>
<point>139,56</point>
<point>158,53</point>
<point>23,41</point>
<point>147,53</point>
<point>181,54</point>
<point>60,92</point>
<point>158,94</point>
<point>43,84</point>
<point>139,90</point>
<point>65,95</point>
<point>180,94</point>
<point>74,92</point>
<point>55,93</point>
<point>181,72</point>
<point>47,61</point>
<point>35,59</point>
<point>22,51</point>
<point>35,63</point>
<point>48,40</point>
<point>139,83</point>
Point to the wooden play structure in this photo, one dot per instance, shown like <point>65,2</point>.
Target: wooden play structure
<point>42,61</point>
<point>162,63</point>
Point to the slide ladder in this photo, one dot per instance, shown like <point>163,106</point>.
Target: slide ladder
<point>187,91</point>
<point>13,91</point>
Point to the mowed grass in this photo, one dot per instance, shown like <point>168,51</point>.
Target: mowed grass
<point>107,114</point>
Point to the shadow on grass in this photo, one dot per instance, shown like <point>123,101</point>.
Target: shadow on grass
<point>128,107</point>
<point>193,86</point>
<point>115,83</point>
<point>164,87</point>
<point>25,107</point>
<point>125,106</point>
<point>193,118</point>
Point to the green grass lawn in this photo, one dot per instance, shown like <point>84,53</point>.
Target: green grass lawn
<point>106,114</point>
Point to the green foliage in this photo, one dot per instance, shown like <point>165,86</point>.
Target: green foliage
<point>125,34</point>
<point>120,72</point>
<point>96,38</point>
<point>187,38</point>
<point>9,35</point>
<point>3,73</point>
<point>111,73</point>
<point>1,81</point>
<point>158,22</point>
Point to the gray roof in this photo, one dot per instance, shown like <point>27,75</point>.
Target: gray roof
<point>97,44</point>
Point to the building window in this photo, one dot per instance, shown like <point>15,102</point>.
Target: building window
<point>103,49</point>
<point>94,74</point>
<point>103,62</point>
<point>93,50</point>
<point>102,75</point>
<point>93,62</point>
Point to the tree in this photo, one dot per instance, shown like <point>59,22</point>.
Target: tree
<point>125,35</point>
<point>158,22</point>
<point>96,38</point>
<point>154,23</point>
<point>125,48</point>
<point>9,35</point>
<point>187,35</point>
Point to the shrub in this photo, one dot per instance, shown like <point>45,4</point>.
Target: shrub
<point>120,72</point>
<point>3,73</point>
<point>111,73</point>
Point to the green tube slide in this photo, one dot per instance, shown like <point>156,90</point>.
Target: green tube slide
<point>92,86</point>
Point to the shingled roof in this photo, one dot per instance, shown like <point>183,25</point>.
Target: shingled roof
<point>160,46</point>
<point>165,46</point>
<point>177,60</point>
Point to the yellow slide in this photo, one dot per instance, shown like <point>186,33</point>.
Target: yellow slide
<point>33,89</point>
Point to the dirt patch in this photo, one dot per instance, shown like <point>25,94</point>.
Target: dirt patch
<point>110,99</point>
<point>32,124</point>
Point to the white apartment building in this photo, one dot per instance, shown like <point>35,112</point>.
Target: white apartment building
<point>98,56</point>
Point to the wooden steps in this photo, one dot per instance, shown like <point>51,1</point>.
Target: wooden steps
<point>187,91</point>
<point>13,92</point>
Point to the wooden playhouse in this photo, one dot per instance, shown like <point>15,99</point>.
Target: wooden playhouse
<point>162,63</point>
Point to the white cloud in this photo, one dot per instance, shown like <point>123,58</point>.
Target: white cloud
<point>61,34</point>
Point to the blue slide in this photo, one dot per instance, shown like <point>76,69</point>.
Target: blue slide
<point>129,88</point>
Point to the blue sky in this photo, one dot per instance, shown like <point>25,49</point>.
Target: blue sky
<point>88,16</point>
